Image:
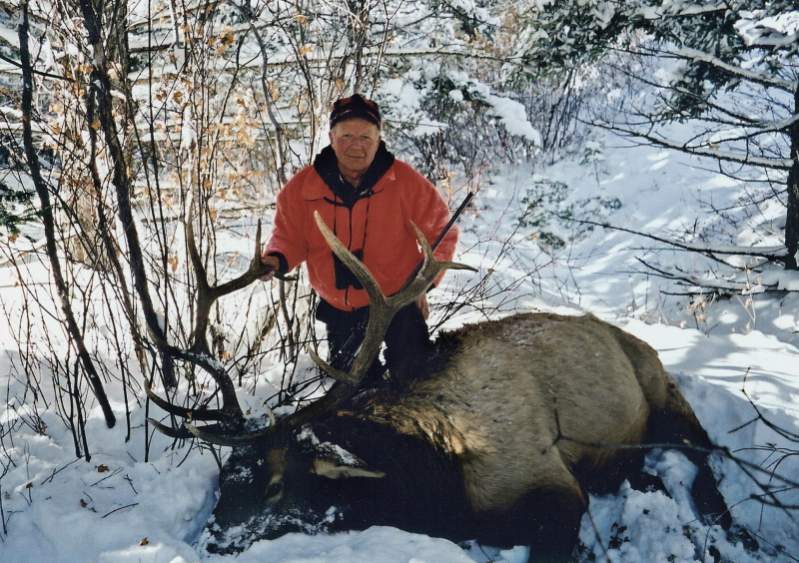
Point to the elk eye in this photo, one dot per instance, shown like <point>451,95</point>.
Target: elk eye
<point>274,490</point>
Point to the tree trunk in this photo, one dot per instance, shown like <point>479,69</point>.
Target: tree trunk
<point>792,220</point>
<point>48,221</point>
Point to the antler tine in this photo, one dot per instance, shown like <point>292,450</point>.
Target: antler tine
<point>257,253</point>
<point>336,374</point>
<point>426,275</point>
<point>183,412</point>
<point>219,439</point>
<point>181,433</point>
<point>178,433</point>
<point>381,312</point>
<point>381,309</point>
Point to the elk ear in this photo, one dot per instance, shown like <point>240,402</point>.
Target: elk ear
<point>331,470</point>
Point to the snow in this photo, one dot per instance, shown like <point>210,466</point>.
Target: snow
<point>514,118</point>
<point>375,545</point>
<point>724,354</point>
<point>10,36</point>
<point>781,30</point>
<point>744,73</point>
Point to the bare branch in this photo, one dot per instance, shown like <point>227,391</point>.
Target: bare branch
<point>771,253</point>
<point>49,223</point>
<point>773,163</point>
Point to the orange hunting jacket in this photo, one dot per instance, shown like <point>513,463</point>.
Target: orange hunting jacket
<point>378,224</point>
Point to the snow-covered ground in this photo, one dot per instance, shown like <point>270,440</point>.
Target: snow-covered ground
<point>118,508</point>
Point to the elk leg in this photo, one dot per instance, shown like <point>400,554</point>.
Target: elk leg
<point>678,424</point>
<point>547,518</point>
<point>555,524</point>
<point>712,506</point>
<point>706,495</point>
<point>681,426</point>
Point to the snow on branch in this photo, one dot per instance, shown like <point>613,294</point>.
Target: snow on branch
<point>764,282</point>
<point>773,163</point>
<point>760,285</point>
<point>514,118</point>
<point>781,30</point>
<point>743,133</point>
<point>692,9</point>
<point>773,253</point>
<point>759,78</point>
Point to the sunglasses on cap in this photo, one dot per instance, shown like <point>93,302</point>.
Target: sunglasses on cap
<point>355,106</point>
<point>355,99</point>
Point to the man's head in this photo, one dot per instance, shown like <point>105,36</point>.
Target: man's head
<point>355,133</point>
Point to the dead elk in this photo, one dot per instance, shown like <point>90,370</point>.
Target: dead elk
<point>499,443</point>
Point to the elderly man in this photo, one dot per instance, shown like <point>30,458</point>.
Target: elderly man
<point>368,199</point>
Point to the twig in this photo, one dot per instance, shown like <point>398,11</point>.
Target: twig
<point>57,471</point>
<point>116,472</point>
<point>120,508</point>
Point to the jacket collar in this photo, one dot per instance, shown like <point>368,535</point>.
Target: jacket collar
<point>326,167</point>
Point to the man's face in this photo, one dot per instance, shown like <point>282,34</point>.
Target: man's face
<point>355,143</point>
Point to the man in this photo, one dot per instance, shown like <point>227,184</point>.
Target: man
<point>368,199</point>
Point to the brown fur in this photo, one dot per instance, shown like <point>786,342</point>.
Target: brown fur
<point>517,423</point>
<point>525,395</point>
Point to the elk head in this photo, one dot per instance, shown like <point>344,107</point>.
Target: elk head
<point>274,472</point>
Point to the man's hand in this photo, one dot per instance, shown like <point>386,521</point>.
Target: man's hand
<point>272,263</point>
<point>424,307</point>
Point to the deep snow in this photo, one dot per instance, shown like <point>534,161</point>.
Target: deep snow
<point>118,508</point>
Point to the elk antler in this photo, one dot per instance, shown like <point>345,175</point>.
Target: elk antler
<point>230,415</point>
<point>381,308</point>
<point>381,311</point>
<point>207,294</point>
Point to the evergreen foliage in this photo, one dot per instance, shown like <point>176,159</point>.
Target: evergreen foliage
<point>728,67</point>
<point>12,208</point>
<point>15,201</point>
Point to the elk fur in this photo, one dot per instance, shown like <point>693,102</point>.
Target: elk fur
<point>500,442</point>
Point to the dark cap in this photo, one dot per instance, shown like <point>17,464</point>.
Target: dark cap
<point>352,107</point>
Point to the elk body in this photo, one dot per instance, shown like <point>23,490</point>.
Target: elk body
<point>500,444</point>
<point>515,421</point>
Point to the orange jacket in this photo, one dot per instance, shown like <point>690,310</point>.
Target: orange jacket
<point>377,224</point>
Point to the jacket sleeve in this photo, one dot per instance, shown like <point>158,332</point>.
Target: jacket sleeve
<point>288,233</point>
<point>431,214</point>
